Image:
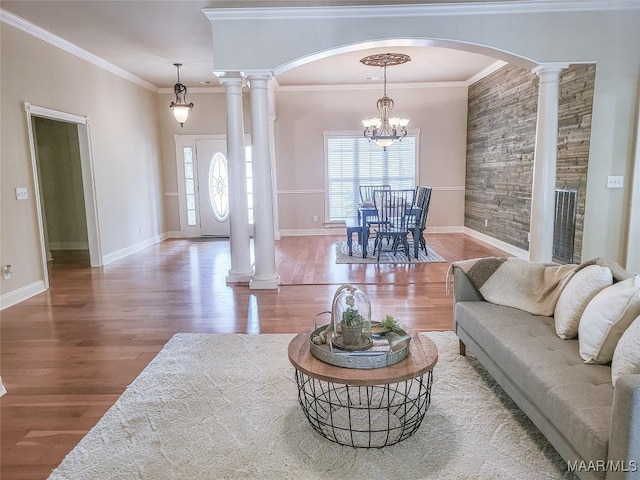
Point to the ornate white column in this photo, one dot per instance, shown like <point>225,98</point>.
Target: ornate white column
<point>265,276</point>
<point>272,150</point>
<point>241,270</point>
<point>633,237</point>
<point>543,190</point>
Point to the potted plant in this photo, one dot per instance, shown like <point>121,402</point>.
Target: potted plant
<point>351,326</point>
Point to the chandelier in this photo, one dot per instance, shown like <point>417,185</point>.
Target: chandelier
<point>385,130</point>
<point>180,107</point>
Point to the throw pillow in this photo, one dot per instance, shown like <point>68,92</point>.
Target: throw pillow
<point>576,295</point>
<point>606,318</point>
<point>626,357</point>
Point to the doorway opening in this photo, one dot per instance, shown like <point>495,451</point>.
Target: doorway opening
<point>64,189</point>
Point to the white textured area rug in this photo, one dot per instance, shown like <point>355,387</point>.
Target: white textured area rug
<point>225,407</point>
<point>342,255</point>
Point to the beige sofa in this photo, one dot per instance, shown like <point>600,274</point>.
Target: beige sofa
<point>593,426</point>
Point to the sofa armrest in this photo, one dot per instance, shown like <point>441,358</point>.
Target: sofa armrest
<point>463,291</point>
<point>624,439</point>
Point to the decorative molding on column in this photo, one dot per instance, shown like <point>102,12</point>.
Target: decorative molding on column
<point>549,68</point>
<point>544,163</point>
<point>230,76</point>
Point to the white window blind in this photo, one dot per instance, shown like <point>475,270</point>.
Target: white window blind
<point>353,161</point>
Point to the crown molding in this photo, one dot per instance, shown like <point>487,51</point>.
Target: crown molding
<point>369,86</point>
<point>56,41</point>
<point>432,9</point>
<point>498,64</point>
<point>486,72</point>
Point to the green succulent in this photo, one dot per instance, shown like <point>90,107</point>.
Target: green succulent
<point>352,318</point>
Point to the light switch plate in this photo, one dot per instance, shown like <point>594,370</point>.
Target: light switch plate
<point>615,181</point>
<point>21,193</point>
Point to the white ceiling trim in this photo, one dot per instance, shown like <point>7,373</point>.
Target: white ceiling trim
<point>52,39</point>
<point>432,9</point>
<point>370,86</point>
<point>397,86</point>
<point>486,72</point>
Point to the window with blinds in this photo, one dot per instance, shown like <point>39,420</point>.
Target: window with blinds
<point>353,161</point>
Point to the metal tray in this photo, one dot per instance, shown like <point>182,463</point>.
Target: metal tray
<point>359,358</point>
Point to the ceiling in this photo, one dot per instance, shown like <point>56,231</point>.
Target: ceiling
<point>145,38</point>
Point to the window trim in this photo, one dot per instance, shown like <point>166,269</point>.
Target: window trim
<point>413,132</point>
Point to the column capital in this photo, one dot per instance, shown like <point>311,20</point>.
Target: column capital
<point>259,78</point>
<point>231,78</point>
<point>547,71</point>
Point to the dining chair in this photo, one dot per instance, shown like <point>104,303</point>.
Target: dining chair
<point>423,200</point>
<point>366,191</point>
<point>394,217</point>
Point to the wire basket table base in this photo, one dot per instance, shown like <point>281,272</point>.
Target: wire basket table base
<point>365,416</point>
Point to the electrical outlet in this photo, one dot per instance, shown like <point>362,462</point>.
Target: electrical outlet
<point>486,222</point>
<point>7,271</point>
<point>315,219</point>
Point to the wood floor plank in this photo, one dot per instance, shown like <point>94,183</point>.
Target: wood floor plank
<point>67,354</point>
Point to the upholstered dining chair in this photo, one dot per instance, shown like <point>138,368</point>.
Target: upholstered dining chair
<point>394,219</point>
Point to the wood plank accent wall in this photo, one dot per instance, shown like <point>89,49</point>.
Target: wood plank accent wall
<point>574,134</point>
<point>501,127</point>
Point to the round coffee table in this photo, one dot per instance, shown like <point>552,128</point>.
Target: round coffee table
<point>365,408</point>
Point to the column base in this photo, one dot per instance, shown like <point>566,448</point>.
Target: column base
<point>240,277</point>
<point>270,283</point>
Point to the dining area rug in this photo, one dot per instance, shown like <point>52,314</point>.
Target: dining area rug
<point>342,255</point>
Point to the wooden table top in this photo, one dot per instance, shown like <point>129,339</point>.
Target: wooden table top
<point>423,355</point>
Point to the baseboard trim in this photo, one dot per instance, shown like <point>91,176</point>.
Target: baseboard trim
<point>21,294</point>
<point>507,247</point>
<point>68,246</point>
<point>447,229</point>
<point>302,232</point>
<point>136,247</point>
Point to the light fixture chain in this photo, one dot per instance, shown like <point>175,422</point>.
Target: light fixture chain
<point>385,80</point>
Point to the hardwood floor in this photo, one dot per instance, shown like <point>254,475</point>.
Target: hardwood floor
<point>67,354</point>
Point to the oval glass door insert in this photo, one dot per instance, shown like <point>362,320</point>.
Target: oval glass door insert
<point>219,187</point>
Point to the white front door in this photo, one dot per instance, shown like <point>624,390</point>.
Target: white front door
<point>213,187</point>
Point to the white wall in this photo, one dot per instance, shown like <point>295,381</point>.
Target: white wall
<point>440,113</point>
<point>124,141</point>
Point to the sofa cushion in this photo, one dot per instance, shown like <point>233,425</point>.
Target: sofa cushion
<point>574,298</point>
<point>626,357</point>
<point>606,318</point>
<point>575,397</point>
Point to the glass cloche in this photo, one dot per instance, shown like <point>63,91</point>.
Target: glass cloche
<point>351,318</point>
